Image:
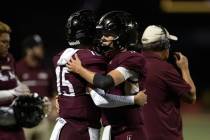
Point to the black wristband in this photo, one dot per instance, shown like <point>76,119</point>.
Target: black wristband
<point>103,82</point>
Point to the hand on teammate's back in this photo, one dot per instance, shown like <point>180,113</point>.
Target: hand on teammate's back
<point>74,64</point>
<point>140,98</point>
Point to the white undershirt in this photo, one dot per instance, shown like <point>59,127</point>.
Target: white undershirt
<point>105,100</point>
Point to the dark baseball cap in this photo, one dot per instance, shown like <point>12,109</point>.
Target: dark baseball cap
<point>31,41</point>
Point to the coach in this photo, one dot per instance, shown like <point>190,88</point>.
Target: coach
<point>166,87</point>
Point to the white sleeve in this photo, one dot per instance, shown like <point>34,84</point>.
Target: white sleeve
<point>21,89</point>
<point>7,94</point>
<point>126,72</point>
<point>66,55</point>
<point>101,99</point>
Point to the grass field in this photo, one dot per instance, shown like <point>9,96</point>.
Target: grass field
<point>196,126</point>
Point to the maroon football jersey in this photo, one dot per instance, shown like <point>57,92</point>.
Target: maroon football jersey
<point>74,104</point>
<point>7,75</point>
<point>8,81</point>
<point>38,78</point>
<point>128,116</point>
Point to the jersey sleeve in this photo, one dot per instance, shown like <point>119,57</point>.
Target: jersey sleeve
<point>175,82</point>
<point>133,61</point>
<point>101,99</point>
<point>126,72</point>
<point>92,61</point>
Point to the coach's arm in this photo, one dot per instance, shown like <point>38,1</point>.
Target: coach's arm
<point>182,63</point>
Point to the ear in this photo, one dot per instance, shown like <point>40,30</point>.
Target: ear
<point>165,54</point>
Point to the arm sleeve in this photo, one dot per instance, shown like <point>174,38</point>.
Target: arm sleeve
<point>126,72</point>
<point>7,116</point>
<point>106,82</point>
<point>6,94</point>
<point>21,89</point>
<point>101,99</point>
<point>133,61</point>
<point>175,82</point>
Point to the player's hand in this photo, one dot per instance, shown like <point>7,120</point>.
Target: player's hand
<point>89,89</point>
<point>140,98</point>
<point>181,61</point>
<point>74,65</point>
<point>21,89</point>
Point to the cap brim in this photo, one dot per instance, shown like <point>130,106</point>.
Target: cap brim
<point>173,37</point>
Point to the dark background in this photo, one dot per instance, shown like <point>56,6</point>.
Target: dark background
<point>48,20</point>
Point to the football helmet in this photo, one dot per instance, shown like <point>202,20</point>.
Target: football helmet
<point>80,28</point>
<point>122,26</point>
<point>29,110</point>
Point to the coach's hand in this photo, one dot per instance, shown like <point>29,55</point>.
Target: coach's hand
<point>181,61</point>
<point>140,98</point>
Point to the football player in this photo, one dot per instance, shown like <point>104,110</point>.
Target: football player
<point>10,87</point>
<point>79,117</point>
<point>126,73</point>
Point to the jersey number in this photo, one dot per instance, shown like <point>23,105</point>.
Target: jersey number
<point>64,86</point>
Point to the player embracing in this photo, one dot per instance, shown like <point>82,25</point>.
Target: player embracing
<point>126,73</point>
<point>79,117</point>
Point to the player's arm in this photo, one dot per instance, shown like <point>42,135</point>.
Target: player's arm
<point>21,89</point>
<point>182,63</point>
<point>75,65</point>
<point>7,117</point>
<point>101,99</point>
<point>113,78</point>
<point>7,95</point>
